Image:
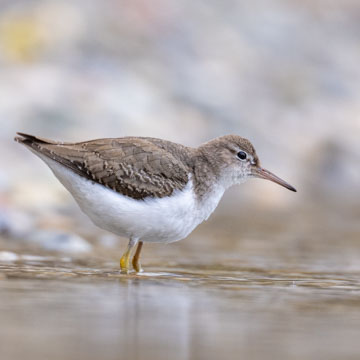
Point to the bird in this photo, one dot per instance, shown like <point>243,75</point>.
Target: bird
<point>148,189</point>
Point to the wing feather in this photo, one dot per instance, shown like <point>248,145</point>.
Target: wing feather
<point>135,167</point>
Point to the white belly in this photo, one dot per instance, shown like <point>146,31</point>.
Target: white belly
<point>151,220</point>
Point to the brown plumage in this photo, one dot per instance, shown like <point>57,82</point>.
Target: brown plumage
<point>135,167</point>
<point>141,167</point>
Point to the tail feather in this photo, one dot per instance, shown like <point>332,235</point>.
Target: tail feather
<point>28,139</point>
<point>54,150</point>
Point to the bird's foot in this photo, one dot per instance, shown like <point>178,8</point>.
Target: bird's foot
<point>136,259</point>
<point>137,267</point>
<point>124,264</point>
<point>125,259</point>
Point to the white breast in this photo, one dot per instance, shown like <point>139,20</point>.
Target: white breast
<point>151,220</point>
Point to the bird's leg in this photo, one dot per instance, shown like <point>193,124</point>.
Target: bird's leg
<point>136,258</point>
<point>125,259</point>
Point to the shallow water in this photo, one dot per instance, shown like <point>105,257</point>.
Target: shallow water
<point>63,309</point>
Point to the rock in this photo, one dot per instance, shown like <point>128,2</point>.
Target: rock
<point>7,256</point>
<point>15,223</point>
<point>333,173</point>
<point>59,241</point>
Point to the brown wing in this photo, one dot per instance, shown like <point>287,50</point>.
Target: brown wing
<point>135,167</point>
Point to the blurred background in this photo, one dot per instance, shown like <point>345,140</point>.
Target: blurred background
<point>284,74</point>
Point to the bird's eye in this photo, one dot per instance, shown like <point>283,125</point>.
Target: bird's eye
<point>242,155</point>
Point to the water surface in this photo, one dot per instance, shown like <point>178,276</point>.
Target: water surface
<point>73,310</point>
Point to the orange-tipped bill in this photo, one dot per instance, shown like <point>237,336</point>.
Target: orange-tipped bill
<point>267,175</point>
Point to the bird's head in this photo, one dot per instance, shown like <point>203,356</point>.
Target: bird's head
<point>234,160</point>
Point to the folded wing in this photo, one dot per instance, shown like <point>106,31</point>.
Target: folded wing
<point>135,167</point>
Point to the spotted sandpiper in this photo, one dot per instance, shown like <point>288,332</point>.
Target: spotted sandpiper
<point>147,189</point>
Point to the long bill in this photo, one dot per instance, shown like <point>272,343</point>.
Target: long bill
<point>261,173</point>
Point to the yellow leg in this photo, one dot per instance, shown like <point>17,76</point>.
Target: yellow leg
<point>125,259</point>
<point>136,258</point>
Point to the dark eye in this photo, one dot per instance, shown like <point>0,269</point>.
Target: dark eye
<point>242,155</point>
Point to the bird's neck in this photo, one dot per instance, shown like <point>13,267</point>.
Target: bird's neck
<point>206,176</point>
